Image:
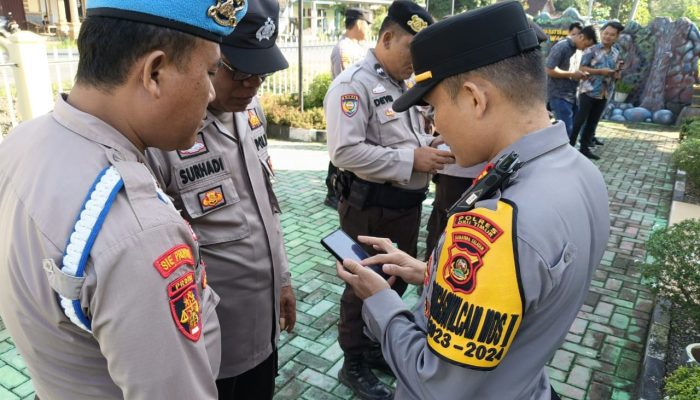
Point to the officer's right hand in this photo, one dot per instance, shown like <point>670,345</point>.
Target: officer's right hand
<point>428,159</point>
<point>578,75</point>
<point>395,262</point>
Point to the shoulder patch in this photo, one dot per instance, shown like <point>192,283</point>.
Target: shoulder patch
<point>185,307</point>
<point>173,259</point>
<point>253,120</point>
<point>476,302</point>
<point>349,104</point>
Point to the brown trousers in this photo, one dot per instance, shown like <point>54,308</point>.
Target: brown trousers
<point>448,190</point>
<point>401,226</point>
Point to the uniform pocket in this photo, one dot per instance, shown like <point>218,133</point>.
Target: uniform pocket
<point>216,213</point>
<point>389,126</point>
<point>567,258</point>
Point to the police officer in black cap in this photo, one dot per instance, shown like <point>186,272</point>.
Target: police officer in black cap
<point>386,162</point>
<point>508,275</point>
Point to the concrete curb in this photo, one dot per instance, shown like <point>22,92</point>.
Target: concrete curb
<point>295,134</point>
<point>651,379</point>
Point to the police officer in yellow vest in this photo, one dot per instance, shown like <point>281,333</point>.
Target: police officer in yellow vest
<point>511,271</point>
<point>102,289</point>
<point>386,160</point>
<point>222,185</point>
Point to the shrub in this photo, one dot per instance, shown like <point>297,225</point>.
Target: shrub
<point>317,91</point>
<point>690,129</point>
<point>623,87</point>
<point>687,158</point>
<point>683,384</point>
<point>674,271</point>
<point>284,110</point>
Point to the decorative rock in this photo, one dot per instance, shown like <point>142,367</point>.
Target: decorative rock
<point>648,120</point>
<point>663,117</point>
<point>617,111</point>
<point>618,118</point>
<point>625,106</point>
<point>637,114</point>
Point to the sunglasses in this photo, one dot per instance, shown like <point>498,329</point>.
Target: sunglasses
<point>240,75</point>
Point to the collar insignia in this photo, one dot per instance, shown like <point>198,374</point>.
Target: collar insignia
<point>224,12</point>
<point>417,23</point>
<point>266,31</point>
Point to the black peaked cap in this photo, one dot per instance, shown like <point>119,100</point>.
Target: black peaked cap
<point>251,47</point>
<point>465,42</point>
<point>409,16</point>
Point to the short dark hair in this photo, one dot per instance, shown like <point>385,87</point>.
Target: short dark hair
<point>390,25</point>
<point>350,23</point>
<point>590,33</point>
<point>575,25</point>
<point>522,78</point>
<point>109,47</point>
<point>615,25</point>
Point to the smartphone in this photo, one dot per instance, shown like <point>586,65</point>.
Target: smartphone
<point>342,246</point>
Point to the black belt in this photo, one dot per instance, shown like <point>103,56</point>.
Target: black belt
<point>386,196</point>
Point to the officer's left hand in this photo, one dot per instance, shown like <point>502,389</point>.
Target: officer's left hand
<point>437,142</point>
<point>288,309</point>
<point>363,280</point>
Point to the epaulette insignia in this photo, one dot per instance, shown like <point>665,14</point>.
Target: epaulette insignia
<point>253,119</point>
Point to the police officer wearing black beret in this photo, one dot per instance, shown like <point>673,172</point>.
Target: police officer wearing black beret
<point>509,275</point>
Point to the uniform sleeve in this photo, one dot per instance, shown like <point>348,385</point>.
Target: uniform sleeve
<point>587,57</point>
<point>554,58</point>
<point>418,370</point>
<point>348,114</point>
<point>145,318</point>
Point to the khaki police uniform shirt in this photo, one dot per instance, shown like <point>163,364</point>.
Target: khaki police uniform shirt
<point>344,54</point>
<point>223,188</point>
<point>365,135</point>
<point>559,203</point>
<point>47,167</point>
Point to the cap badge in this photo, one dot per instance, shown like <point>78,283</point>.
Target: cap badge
<point>266,31</point>
<point>224,12</point>
<point>417,23</point>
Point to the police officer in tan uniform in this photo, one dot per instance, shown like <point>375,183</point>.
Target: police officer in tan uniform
<point>102,289</point>
<point>349,50</point>
<point>222,187</point>
<point>386,161</point>
<point>512,269</point>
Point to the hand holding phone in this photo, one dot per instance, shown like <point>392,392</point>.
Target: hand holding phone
<point>343,246</point>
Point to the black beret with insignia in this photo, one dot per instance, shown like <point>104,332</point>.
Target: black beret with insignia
<point>465,42</point>
<point>358,13</point>
<point>410,16</point>
<point>251,47</point>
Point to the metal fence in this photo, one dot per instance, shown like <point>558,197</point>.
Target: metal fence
<point>317,60</point>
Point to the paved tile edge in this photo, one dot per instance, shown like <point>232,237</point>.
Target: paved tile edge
<point>679,186</point>
<point>654,365</point>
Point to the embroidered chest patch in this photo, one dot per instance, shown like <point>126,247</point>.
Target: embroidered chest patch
<point>349,104</point>
<point>199,147</point>
<point>211,199</point>
<point>253,120</point>
<point>173,259</point>
<point>185,306</point>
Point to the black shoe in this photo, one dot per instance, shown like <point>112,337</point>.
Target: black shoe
<point>375,359</point>
<point>331,201</point>
<point>589,154</point>
<point>356,375</point>
<point>597,142</point>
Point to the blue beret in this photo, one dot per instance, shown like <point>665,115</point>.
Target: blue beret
<point>209,19</point>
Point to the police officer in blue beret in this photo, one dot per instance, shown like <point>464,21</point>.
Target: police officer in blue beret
<point>512,268</point>
<point>102,287</point>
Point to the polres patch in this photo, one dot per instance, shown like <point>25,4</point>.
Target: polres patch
<point>199,148</point>
<point>253,120</point>
<point>173,259</point>
<point>185,306</point>
<point>211,198</point>
<point>349,104</point>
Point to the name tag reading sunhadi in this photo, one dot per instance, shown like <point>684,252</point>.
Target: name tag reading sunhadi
<point>476,304</point>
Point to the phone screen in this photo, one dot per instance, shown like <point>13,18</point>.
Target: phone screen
<point>342,246</point>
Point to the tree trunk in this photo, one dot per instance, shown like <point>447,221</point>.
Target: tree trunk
<point>633,12</point>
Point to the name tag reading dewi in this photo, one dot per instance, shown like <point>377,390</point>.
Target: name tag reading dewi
<point>476,304</point>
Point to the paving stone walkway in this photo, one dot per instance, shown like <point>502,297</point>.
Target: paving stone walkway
<point>602,355</point>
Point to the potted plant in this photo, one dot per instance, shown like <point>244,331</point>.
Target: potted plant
<point>622,90</point>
